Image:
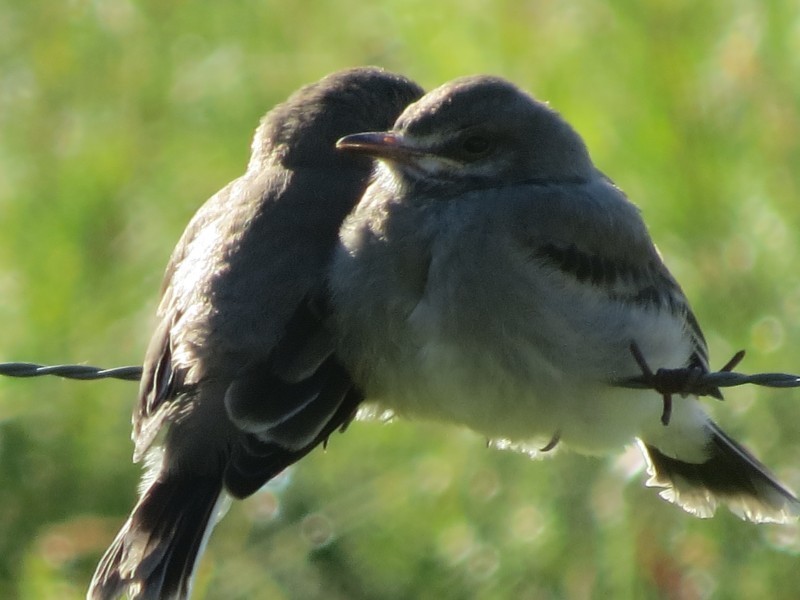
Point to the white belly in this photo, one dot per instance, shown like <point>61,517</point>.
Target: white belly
<point>515,392</point>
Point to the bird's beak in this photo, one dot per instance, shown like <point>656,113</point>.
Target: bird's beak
<point>384,144</point>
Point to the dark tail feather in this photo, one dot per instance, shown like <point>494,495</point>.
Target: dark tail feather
<point>731,475</point>
<point>154,554</point>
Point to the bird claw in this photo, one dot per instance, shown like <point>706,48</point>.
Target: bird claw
<point>552,443</point>
<point>683,381</point>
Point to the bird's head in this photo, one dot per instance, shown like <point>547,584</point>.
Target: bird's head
<point>477,132</point>
<point>302,131</point>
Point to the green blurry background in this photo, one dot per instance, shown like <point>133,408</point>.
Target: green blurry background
<point>119,118</point>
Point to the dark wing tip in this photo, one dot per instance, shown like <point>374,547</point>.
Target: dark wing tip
<point>731,476</point>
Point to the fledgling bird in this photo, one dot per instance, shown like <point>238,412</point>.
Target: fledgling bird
<point>240,379</point>
<point>493,277</point>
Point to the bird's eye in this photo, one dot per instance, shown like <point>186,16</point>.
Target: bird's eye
<point>475,146</point>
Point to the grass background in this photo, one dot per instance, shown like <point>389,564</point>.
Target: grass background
<point>118,118</point>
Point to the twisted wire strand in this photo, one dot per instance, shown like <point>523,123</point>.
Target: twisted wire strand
<point>720,379</point>
<point>81,372</point>
<point>692,380</point>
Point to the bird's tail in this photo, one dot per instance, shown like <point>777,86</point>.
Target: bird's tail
<point>730,475</point>
<point>155,552</point>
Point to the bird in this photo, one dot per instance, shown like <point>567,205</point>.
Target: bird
<point>493,277</point>
<point>240,378</point>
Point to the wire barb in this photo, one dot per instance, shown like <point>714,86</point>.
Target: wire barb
<point>81,372</point>
<point>697,382</point>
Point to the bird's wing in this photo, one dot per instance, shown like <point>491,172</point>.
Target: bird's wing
<point>245,303</point>
<point>594,237</point>
<point>643,284</point>
<point>165,377</point>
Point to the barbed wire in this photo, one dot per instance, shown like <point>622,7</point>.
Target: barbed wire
<point>722,379</point>
<point>81,372</point>
<point>696,381</point>
<point>667,382</point>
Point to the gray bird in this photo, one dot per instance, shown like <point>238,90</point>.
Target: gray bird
<point>491,276</point>
<point>240,379</point>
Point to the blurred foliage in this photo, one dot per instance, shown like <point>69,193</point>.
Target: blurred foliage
<point>119,117</point>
